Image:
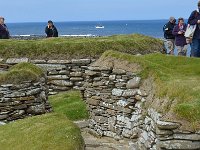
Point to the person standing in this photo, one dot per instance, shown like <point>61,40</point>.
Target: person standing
<point>51,30</point>
<point>180,40</point>
<point>4,33</point>
<point>194,19</point>
<point>168,28</point>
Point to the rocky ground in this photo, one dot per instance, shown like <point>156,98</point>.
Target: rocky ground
<point>94,142</point>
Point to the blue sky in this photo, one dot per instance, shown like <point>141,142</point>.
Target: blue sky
<point>89,10</point>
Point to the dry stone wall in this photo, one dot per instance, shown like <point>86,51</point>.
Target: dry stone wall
<point>25,99</point>
<point>115,100</point>
<point>62,75</point>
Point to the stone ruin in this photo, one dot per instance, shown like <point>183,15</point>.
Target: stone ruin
<point>115,100</point>
<point>25,99</point>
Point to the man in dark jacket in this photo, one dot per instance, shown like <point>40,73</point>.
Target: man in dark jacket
<point>180,40</point>
<point>51,30</point>
<point>4,33</point>
<point>194,19</point>
<point>168,28</point>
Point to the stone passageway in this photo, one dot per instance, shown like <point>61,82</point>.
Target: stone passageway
<point>94,142</point>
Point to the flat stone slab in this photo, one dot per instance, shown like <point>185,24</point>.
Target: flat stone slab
<point>82,124</point>
<point>61,83</point>
<point>51,66</point>
<point>167,125</point>
<point>97,68</point>
<point>179,144</point>
<point>59,61</point>
<point>81,61</point>
<point>38,61</point>
<point>16,60</point>
<point>117,92</point>
<point>193,137</point>
<point>133,83</point>
<point>93,142</point>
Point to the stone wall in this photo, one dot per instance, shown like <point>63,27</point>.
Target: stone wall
<point>26,99</point>
<point>115,101</point>
<point>62,75</point>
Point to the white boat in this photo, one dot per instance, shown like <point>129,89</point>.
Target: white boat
<point>99,27</point>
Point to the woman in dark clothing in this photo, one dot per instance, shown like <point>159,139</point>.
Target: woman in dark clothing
<point>194,19</point>
<point>180,40</point>
<point>4,33</point>
<point>51,30</point>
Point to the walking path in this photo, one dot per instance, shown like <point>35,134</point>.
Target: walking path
<point>94,142</point>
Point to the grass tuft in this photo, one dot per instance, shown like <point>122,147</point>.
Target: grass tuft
<point>20,73</point>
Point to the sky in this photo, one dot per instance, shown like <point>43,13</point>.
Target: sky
<point>94,10</point>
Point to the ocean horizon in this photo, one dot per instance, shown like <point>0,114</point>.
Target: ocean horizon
<point>87,28</point>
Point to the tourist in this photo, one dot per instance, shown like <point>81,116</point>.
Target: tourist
<point>51,30</point>
<point>4,33</point>
<point>180,40</point>
<point>194,19</point>
<point>168,28</point>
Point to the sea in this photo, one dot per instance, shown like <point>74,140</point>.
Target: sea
<point>88,28</point>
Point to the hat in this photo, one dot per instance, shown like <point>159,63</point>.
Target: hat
<point>1,17</point>
<point>50,21</point>
<point>171,19</point>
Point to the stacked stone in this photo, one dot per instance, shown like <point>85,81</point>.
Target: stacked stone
<point>158,134</point>
<point>26,99</point>
<point>114,101</point>
<point>62,75</point>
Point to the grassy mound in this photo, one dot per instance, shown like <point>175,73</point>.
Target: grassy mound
<point>67,48</point>
<point>175,77</point>
<point>20,73</point>
<point>47,132</point>
<point>69,104</point>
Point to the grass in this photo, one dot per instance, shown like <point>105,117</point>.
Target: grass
<point>54,131</point>
<point>67,48</point>
<point>175,77</point>
<point>46,132</point>
<point>20,73</point>
<point>69,104</point>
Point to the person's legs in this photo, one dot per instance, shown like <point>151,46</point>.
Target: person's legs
<point>195,48</point>
<point>170,46</point>
<point>198,52</point>
<point>179,50</point>
<point>184,50</point>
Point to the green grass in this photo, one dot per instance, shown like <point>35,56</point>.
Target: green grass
<point>67,48</point>
<point>54,131</point>
<point>175,77</point>
<point>20,73</point>
<point>69,104</point>
<point>46,132</point>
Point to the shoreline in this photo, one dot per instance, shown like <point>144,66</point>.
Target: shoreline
<point>37,37</point>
